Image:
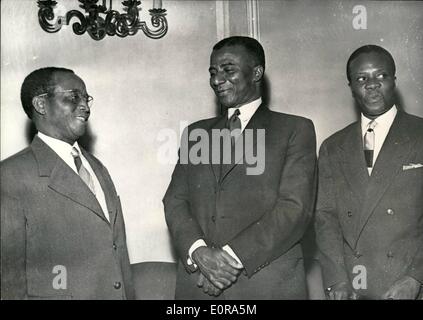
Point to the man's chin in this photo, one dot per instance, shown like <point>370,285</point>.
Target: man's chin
<point>375,110</point>
<point>79,132</point>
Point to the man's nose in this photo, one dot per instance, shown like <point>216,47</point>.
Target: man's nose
<point>372,84</point>
<point>217,79</point>
<point>83,105</point>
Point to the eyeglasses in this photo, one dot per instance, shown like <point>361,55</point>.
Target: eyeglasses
<point>75,97</point>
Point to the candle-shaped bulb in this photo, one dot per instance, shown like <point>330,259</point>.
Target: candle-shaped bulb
<point>157,4</point>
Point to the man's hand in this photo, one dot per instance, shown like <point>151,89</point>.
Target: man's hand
<point>405,288</point>
<point>217,266</point>
<point>341,291</point>
<point>207,286</point>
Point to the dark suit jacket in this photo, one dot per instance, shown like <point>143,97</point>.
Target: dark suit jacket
<point>375,221</point>
<point>50,218</point>
<point>262,217</point>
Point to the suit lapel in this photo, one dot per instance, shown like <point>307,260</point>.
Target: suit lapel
<point>353,162</point>
<point>63,179</point>
<point>106,186</point>
<point>215,164</point>
<point>396,148</point>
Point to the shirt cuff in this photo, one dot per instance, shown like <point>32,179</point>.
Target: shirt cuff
<point>229,250</point>
<point>195,245</point>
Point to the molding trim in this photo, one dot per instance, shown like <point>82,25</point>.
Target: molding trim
<point>222,19</point>
<point>253,19</point>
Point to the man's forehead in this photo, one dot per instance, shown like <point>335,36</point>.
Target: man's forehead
<point>230,54</point>
<point>67,80</point>
<point>370,61</point>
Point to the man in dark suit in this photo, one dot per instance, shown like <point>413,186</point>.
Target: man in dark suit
<point>369,220</point>
<point>237,228</point>
<point>62,229</point>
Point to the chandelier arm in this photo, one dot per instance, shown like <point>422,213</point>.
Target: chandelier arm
<point>96,26</point>
<point>111,20</point>
<point>158,21</point>
<point>46,14</point>
<point>77,27</point>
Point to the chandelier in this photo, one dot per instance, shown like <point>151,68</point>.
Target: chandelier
<point>100,20</point>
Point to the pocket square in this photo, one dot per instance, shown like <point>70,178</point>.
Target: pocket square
<point>412,166</point>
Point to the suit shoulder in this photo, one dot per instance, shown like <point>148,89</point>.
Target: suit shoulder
<point>414,122</point>
<point>289,117</point>
<point>291,121</point>
<point>19,160</point>
<point>203,123</point>
<point>18,168</point>
<point>338,136</point>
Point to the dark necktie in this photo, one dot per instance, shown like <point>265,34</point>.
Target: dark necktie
<point>82,171</point>
<point>234,125</point>
<point>369,143</point>
<point>227,157</point>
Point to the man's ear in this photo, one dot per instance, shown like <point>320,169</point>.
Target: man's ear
<point>258,73</point>
<point>39,104</point>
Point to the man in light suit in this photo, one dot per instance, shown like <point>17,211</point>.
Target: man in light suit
<point>238,232</point>
<point>369,219</point>
<point>62,229</point>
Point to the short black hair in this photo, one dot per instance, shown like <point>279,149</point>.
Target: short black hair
<point>368,49</point>
<point>253,47</point>
<point>36,83</point>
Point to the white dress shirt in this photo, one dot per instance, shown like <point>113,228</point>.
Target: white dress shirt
<point>383,124</point>
<point>246,113</point>
<point>63,150</point>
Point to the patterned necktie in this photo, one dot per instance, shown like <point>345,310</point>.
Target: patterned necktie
<point>234,123</point>
<point>369,143</point>
<point>82,171</point>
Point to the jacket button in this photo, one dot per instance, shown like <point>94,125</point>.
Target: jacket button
<point>114,246</point>
<point>390,254</point>
<point>117,285</point>
<point>357,254</point>
<point>349,214</point>
<point>213,218</point>
<point>390,212</point>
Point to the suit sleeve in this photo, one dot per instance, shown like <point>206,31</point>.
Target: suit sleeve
<point>328,230</point>
<point>13,245</point>
<point>284,225</point>
<point>416,269</point>
<point>183,227</point>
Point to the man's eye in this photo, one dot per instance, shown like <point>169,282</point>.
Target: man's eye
<point>229,70</point>
<point>73,96</point>
<point>361,79</point>
<point>381,76</point>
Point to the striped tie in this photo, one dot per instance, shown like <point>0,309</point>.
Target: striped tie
<point>234,125</point>
<point>369,143</point>
<point>82,171</point>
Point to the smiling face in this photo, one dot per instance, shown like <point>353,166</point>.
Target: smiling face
<point>373,83</point>
<point>65,109</point>
<point>233,76</point>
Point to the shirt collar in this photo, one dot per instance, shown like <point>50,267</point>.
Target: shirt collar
<point>384,120</point>
<point>62,148</point>
<point>247,110</point>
